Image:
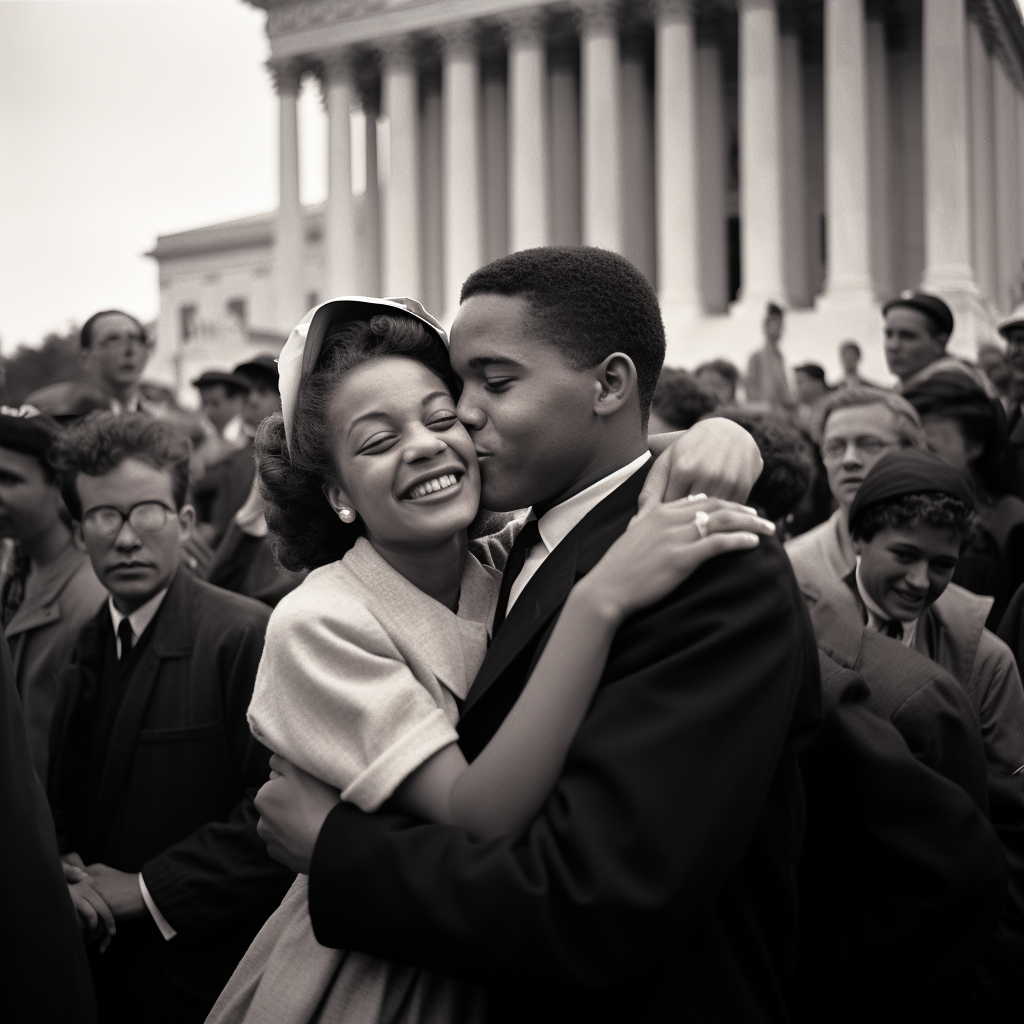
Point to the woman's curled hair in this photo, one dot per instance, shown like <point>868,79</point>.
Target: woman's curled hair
<point>308,531</point>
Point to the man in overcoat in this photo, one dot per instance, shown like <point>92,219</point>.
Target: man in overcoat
<point>154,767</point>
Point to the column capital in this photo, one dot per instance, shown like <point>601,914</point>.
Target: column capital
<point>597,15</point>
<point>398,52</point>
<point>525,26</point>
<point>460,39</point>
<point>286,75</point>
<point>337,65</point>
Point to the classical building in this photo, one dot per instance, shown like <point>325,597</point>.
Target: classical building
<point>823,154</point>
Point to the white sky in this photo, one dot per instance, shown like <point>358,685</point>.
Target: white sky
<point>121,120</point>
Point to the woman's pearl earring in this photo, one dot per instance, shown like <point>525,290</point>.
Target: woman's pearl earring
<point>347,515</point>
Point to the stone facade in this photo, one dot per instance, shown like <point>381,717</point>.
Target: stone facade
<point>823,154</point>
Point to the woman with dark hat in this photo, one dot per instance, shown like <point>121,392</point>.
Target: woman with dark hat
<point>967,430</point>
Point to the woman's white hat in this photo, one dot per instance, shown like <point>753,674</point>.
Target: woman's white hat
<point>300,352</point>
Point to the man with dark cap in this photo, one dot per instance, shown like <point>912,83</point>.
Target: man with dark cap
<point>52,590</point>
<point>222,398</point>
<point>115,350</point>
<point>909,521</point>
<point>917,330</point>
<point>766,371</point>
<point>225,488</point>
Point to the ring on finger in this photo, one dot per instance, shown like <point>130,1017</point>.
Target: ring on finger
<point>696,497</point>
<point>701,520</point>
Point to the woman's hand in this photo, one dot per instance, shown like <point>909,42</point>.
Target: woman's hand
<point>663,545</point>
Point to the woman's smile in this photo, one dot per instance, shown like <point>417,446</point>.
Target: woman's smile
<point>442,486</point>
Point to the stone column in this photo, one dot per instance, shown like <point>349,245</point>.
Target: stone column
<point>601,172</point>
<point>1008,182</point>
<point>529,201</point>
<point>878,157</point>
<point>675,142</point>
<point>713,263</point>
<point>495,158</point>
<point>847,202</point>
<point>794,178</point>
<point>760,137</point>
<point>460,98</point>
<point>401,200</point>
<point>564,207</point>
<point>367,205</point>
<point>983,183</point>
<point>947,182</point>
<point>340,248</point>
<point>289,229</point>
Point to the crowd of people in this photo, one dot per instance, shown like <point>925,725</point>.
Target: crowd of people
<point>516,676</point>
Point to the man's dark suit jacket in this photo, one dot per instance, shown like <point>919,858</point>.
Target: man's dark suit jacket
<point>174,799</point>
<point>902,878</point>
<point>46,977</point>
<point>659,880</point>
<point>221,491</point>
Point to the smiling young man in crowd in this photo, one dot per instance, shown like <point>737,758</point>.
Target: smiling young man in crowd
<point>154,768</point>
<point>909,522</point>
<point>659,879</point>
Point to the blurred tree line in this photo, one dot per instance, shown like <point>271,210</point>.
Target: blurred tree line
<point>30,368</point>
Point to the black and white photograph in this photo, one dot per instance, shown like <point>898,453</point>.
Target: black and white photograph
<point>512,511</point>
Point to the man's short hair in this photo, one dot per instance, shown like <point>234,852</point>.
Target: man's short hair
<point>588,303</point>
<point>85,334</point>
<point>774,309</point>
<point>103,440</point>
<point>843,346</point>
<point>906,511</point>
<point>679,400</point>
<point>908,422</point>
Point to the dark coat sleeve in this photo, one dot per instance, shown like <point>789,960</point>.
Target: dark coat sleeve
<point>46,977</point>
<point>902,877</point>
<point>659,800</point>
<point>222,872</point>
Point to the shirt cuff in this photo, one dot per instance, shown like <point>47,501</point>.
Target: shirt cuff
<point>161,922</point>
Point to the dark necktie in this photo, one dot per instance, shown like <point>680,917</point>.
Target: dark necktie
<point>124,634</point>
<point>527,537</point>
<point>890,627</point>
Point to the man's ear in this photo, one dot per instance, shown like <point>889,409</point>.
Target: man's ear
<point>76,533</point>
<point>338,497</point>
<point>615,383</point>
<point>186,521</point>
<point>857,546</point>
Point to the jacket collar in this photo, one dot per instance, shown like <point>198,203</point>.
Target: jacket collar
<point>42,606</point>
<point>949,632</point>
<point>451,644</point>
<point>836,616</point>
<point>577,554</point>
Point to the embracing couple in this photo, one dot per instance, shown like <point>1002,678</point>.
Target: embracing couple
<point>565,792</point>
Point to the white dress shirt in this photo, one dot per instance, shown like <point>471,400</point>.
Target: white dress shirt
<point>139,620</point>
<point>557,523</point>
<point>877,616</point>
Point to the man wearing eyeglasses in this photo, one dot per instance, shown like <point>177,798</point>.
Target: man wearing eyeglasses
<point>154,768</point>
<point>115,350</point>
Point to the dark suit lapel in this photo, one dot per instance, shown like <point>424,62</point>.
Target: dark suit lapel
<point>171,637</point>
<point>546,592</point>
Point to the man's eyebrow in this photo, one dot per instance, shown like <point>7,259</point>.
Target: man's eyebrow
<point>482,362</point>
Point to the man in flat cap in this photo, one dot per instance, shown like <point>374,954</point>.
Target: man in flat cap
<point>917,330</point>
<point>222,397</point>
